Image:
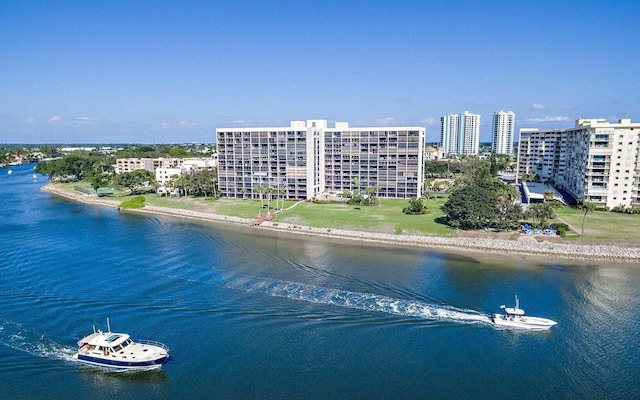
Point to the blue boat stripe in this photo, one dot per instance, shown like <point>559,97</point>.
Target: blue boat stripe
<point>118,363</point>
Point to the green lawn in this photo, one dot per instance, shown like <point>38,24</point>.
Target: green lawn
<point>601,227</point>
<point>386,217</point>
<point>245,208</point>
<point>609,227</point>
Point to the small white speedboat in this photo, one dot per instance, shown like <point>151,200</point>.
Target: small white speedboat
<point>513,318</point>
<point>116,351</point>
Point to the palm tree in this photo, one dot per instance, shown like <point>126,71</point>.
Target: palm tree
<point>587,207</point>
<point>282,193</point>
<point>356,183</point>
<point>268,191</point>
<point>548,195</point>
<point>260,191</point>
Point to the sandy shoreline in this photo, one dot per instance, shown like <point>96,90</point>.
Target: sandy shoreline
<point>525,245</point>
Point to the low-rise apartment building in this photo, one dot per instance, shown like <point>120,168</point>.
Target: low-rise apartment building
<point>165,169</point>
<point>434,153</point>
<point>151,164</point>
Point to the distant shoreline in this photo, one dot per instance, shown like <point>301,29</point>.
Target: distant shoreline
<point>525,245</point>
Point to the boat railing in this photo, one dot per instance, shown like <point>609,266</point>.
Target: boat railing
<point>152,343</point>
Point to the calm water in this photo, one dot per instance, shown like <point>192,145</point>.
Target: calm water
<point>250,315</point>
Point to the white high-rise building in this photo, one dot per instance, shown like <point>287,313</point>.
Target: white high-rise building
<point>596,159</point>
<point>460,134</point>
<point>308,158</point>
<point>503,128</point>
<point>449,133</point>
<point>469,133</point>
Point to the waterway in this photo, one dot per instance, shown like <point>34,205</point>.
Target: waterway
<point>250,314</point>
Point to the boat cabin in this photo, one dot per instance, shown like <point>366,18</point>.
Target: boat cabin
<point>105,343</point>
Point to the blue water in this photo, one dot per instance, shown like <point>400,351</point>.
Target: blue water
<point>248,314</point>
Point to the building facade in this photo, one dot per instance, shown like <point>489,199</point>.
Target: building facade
<point>434,153</point>
<point>595,160</point>
<point>152,164</point>
<point>308,158</point>
<point>503,127</point>
<point>460,134</point>
<point>469,134</point>
<point>541,152</point>
<point>449,129</point>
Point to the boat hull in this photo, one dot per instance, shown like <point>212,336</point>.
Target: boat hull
<point>121,364</point>
<point>530,323</point>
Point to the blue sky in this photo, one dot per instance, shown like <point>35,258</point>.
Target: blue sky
<point>173,71</point>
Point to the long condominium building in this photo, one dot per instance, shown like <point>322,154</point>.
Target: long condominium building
<point>595,160</point>
<point>460,134</point>
<point>308,159</point>
<point>502,132</point>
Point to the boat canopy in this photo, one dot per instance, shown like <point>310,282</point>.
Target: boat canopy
<point>514,311</point>
<point>104,339</point>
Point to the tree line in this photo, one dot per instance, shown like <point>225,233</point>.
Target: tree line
<point>98,171</point>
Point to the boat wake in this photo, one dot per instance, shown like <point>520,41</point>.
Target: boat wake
<point>15,336</point>
<point>357,300</point>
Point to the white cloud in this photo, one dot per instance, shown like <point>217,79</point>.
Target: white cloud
<point>387,121</point>
<point>538,106</point>
<point>559,118</point>
<point>31,120</point>
<point>55,118</point>
<point>86,120</point>
<point>429,121</point>
<point>186,124</point>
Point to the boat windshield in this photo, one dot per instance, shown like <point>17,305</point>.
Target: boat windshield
<point>113,338</point>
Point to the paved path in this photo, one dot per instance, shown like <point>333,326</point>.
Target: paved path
<point>573,228</point>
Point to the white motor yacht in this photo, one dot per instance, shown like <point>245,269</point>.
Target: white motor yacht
<point>116,351</point>
<point>513,318</point>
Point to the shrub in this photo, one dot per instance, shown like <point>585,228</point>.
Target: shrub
<point>619,209</point>
<point>626,210</point>
<point>560,228</point>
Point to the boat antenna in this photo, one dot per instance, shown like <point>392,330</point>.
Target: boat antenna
<point>94,328</point>
<point>517,302</point>
<point>108,326</point>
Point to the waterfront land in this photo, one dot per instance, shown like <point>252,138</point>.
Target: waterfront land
<point>608,236</point>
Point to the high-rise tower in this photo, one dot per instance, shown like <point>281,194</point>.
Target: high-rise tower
<point>449,133</point>
<point>502,132</point>
<point>469,133</point>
